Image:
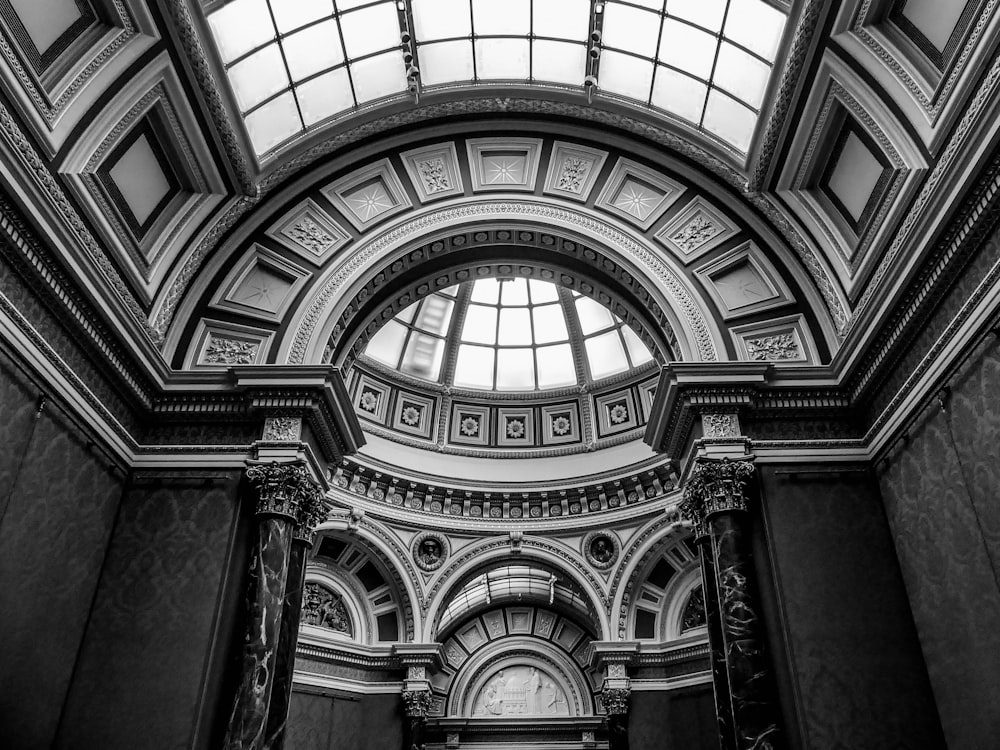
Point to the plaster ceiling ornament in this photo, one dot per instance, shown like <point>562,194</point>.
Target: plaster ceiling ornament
<point>429,550</point>
<point>601,548</point>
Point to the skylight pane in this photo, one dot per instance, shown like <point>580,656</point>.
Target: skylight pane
<point>273,123</point>
<point>679,94</point>
<point>378,76</point>
<point>559,62</point>
<point>370,29</point>
<point>729,120</point>
<point>605,355</point>
<point>387,343</point>
<point>687,48</point>
<point>593,317</point>
<point>240,27</point>
<point>441,19</point>
<point>626,75</point>
<point>542,292</point>
<point>706,13</point>
<point>258,77</point>
<point>514,292</point>
<point>515,326</point>
<point>510,17</point>
<point>549,324</point>
<point>631,29</point>
<point>562,19</point>
<point>289,16</point>
<point>423,356</point>
<point>756,26</point>
<point>312,50</point>
<point>555,366</point>
<point>325,96</point>
<point>474,367</point>
<point>480,325</point>
<point>637,350</point>
<point>435,315</point>
<point>444,62</point>
<point>741,74</point>
<point>505,59</point>
<point>408,312</point>
<point>515,370</point>
<point>486,291</point>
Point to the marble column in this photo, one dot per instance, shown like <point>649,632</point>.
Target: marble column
<point>616,706</point>
<point>285,493</point>
<point>713,620</point>
<point>715,500</point>
<point>303,536</point>
<point>416,704</point>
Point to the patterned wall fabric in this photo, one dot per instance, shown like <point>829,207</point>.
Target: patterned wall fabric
<point>934,489</point>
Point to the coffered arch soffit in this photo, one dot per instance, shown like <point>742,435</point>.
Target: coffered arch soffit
<point>476,558</point>
<point>663,221</point>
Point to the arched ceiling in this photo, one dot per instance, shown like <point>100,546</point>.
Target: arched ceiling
<point>785,232</point>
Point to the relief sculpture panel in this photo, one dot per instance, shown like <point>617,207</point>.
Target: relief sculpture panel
<point>521,691</point>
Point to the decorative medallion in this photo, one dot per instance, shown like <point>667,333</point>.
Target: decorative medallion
<point>638,194</point>
<point>698,228</point>
<point>368,195</point>
<point>310,232</point>
<point>601,548</point>
<point>282,429</point>
<point>430,550</point>
<point>573,170</point>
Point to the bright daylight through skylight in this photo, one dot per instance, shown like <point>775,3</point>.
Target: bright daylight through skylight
<point>295,64</point>
<point>515,335</point>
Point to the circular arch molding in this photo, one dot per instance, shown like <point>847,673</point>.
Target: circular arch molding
<point>392,557</point>
<point>698,337</point>
<point>518,650</point>
<point>562,559</point>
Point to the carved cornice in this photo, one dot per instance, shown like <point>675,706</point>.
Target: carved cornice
<point>504,504</point>
<point>772,404</point>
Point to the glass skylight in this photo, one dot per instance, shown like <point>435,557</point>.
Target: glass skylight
<point>510,335</point>
<point>295,64</point>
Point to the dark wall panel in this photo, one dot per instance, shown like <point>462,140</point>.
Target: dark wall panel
<point>941,495</point>
<point>852,648</point>
<point>328,722</point>
<point>676,719</point>
<point>58,499</point>
<point>154,626</point>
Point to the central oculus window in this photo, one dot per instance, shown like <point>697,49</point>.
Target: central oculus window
<point>296,65</point>
<point>508,335</point>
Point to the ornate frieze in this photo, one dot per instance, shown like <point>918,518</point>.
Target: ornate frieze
<point>715,486</point>
<point>282,429</point>
<point>223,351</point>
<point>770,348</point>
<point>720,425</point>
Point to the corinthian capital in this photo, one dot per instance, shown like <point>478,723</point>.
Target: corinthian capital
<point>417,702</point>
<point>616,700</point>
<point>285,489</point>
<point>715,486</point>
